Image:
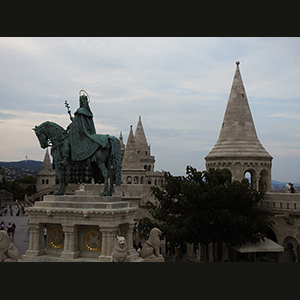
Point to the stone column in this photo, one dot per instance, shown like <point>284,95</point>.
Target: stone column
<point>129,239</point>
<point>35,247</point>
<point>256,179</point>
<point>191,251</point>
<point>71,242</point>
<point>108,236</point>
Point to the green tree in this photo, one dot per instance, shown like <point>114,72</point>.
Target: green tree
<point>205,207</point>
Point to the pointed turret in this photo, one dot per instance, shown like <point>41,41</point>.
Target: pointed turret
<point>122,144</point>
<point>238,135</point>
<point>46,167</point>
<point>121,140</point>
<point>46,177</point>
<point>140,136</point>
<point>238,148</point>
<point>131,139</point>
<point>131,158</point>
<point>143,148</point>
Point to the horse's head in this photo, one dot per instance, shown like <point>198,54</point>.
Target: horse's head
<point>41,134</point>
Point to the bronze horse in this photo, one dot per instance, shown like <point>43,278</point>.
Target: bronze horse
<point>53,135</point>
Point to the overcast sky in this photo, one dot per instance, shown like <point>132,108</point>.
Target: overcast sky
<point>180,87</point>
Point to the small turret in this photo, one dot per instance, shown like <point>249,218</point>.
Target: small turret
<point>46,177</point>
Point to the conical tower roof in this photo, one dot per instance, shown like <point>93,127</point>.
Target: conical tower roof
<point>140,136</point>
<point>121,140</point>
<point>131,140</point>
<point>46,167</point>
<point>131,158</point>
<point>238,136</point>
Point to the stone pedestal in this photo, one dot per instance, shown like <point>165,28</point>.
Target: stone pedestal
<point>80,228</point>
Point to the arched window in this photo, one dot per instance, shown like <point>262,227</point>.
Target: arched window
<point>142,180</point>
<point>229,173</point>
<point>129,180</point>
<point>248,177</point>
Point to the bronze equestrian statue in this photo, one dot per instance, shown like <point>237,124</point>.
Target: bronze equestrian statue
<point>80,144</point>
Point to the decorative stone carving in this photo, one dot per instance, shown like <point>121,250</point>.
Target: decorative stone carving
<point>93,240</point>
<point>151,247</point>
<point>7,248</point>
<point>56,238</point>
<point>119,253</point>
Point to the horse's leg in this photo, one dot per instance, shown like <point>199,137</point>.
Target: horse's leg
<point>111,183</point>
<point>100,160</point>
<point>103,169</point>
<point>61,175</point>
<point>59,170</point>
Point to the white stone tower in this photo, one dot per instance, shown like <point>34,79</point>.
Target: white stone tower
<point>238,148</point>
<point>46,177</point>
<point>137,161</point>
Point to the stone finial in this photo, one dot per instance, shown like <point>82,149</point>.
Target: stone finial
<point>237,63</point>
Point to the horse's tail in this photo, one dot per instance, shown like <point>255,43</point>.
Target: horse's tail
<point>116,159</point>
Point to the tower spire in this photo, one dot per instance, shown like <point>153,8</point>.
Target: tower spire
<point>238,148</point>
<point>46,167</point>
<point>131,139</point>
<point>238,135</point>
<point>140,136</point>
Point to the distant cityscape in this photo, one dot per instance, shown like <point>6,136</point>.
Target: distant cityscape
<point>19,169</point>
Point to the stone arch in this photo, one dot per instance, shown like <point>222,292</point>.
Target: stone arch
<point>251,179</point>
<point>270,234</point>
<point>289,249</point>
<point>229,172</point>
<point>136,180</point>
<point>142,180</point>
<point>128,180</point>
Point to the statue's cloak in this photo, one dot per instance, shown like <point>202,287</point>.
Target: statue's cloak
<point>83,138</point>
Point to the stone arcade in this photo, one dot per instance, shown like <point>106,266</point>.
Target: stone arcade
<point>80,227</point>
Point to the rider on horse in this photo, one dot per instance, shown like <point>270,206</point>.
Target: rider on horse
<point>82,140</point>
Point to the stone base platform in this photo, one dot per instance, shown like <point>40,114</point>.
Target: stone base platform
<point>79,228</point>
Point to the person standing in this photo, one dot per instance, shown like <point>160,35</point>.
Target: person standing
<point>292,189</point>
<point>288,187</point>
<point>45,235</point>
<point>9,229</point>
<point>168,249</point>
<point>13,230</point>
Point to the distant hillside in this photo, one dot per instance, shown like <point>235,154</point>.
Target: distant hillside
<point>280,183</point>
<point>26,164</point>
